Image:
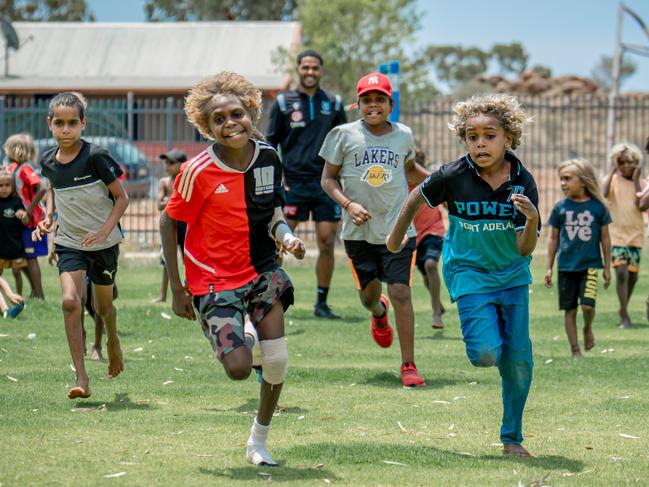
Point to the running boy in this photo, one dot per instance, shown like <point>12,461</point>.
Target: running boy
<point>13,219</point>
<point>493,229</point>
<point>579,227</point>
<point>172,159</point>
<point>369,164</point>
<point>621,187</point>
<point>230,195</point>
<point>20,151</point>
<point>429,225</point>
<point>85,190</point>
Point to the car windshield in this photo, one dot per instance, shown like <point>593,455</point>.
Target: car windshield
<point>127,153</point>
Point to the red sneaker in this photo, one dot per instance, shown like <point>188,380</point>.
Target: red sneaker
<point>381,329</point>
<point>410,377</point>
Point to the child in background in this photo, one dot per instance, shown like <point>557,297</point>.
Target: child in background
<point>579,227</point>
<point>429,225</point>
<point>369,164</point>
<point>231,197</point>
<point>493,229</point>
<point>20,151</point>
<point>13,219</point>
<point>621,187</point>
<point>85,190</point>
<point>172,159</point>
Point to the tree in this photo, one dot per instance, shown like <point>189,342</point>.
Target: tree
<point>46,10</point>
<point>456,64</point>
<point>511,58</point>
<point>354,37</point>
<point>170,10</point>
<point>603,71</point>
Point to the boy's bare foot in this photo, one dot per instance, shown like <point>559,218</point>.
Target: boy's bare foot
<point>95,354</point>
<point>576,352</point>
<point>589,339</point>
<point>80,390</point>
<point>516,450</point>
<point>625,324</point>
<point>115,359</point>
<point>438,324</point>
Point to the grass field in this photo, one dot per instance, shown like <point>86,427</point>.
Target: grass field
<point>173,418</point>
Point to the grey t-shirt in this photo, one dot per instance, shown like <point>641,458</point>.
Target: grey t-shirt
<point>82,198</point>
<point>372,174</point>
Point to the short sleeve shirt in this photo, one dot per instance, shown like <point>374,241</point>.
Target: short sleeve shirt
<point>373,174</point>
<point>27,185</point>
<point>627,227</point>
<point>83,201</point>
<point>580,228</point>
<point>480,253</point>
<point>11,229</point>
<point>227,212</point>
<point>428,221</point>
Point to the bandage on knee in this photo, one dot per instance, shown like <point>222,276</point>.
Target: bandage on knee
<point>274,360</point>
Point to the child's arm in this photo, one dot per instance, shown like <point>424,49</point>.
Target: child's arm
<point>605,239</point>
<point>397,238</point>
<point>22,216</point>
<point>283,235</point>
<point>330,184</point>
<point>11,296</point>
<point>36,199</point>
<point>163,193</point>
<point>119,207</point>
<point>553,244</point>
<point>415,173</point>
<point>181,299</point>
<point>606,182</point>
<point>641,203</point>
<point>527,238</point>
<point>45,226</point>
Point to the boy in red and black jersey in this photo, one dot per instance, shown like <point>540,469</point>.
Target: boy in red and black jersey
<point>231,198</point>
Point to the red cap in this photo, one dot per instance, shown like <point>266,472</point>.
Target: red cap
<point>374,82</point>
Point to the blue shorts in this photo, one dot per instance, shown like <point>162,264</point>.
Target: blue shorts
<point>430,248</point>
<point>34,249</point>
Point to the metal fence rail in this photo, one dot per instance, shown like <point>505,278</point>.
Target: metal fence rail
<point>563,127</point>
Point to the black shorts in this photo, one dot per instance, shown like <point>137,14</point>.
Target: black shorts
<point>430,248</point>
<point>370,261</point>
<point>100,265</point>
<point>574,287</point>
<point>306,198</point>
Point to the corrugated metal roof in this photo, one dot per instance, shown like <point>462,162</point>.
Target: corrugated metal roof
<point>144,56</point>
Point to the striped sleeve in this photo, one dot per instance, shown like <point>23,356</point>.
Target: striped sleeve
<point>187,197</point>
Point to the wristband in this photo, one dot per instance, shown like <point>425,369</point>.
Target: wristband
<point>346,203</point>
<point>289,239</point>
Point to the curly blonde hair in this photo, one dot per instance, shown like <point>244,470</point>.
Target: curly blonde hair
<point>586,174</point>
<point>504,108</point>
<point>199,102</point>
<point>20,148</point>
<point>625,149</point>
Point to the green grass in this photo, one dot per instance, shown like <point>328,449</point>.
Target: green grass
<point>344,413</point>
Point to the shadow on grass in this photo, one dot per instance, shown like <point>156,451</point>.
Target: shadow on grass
<point>121,402</point>
<point>392,381</point>
<point>269,474</point>
<point>293,333</point>
<point>420,456</point>
<point>439,335</point>
<point>250,406</point>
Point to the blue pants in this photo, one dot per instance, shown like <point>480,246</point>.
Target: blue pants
<point>495,327</point>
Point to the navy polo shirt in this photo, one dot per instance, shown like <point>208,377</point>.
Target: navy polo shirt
<point>480,253</point>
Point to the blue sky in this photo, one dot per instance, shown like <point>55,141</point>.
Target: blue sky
<point>567,35</point>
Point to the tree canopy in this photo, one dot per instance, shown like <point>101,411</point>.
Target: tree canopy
<point>169,10</point>
<point>46,10</point>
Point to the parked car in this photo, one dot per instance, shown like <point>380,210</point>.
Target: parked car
<point>137,174</point>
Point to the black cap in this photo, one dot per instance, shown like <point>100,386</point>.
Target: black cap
<point>175,156</point>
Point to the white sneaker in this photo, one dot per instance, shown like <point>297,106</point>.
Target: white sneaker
<point>258,455</point>
<point>252,342</point>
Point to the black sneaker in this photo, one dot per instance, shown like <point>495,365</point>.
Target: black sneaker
<point>323,311</point>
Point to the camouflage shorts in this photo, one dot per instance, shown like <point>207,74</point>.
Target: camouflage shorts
<point>222,313</point>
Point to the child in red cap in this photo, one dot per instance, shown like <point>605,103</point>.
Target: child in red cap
<point>369,164</point>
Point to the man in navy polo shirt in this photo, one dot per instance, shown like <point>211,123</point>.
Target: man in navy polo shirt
<point>299,122</point>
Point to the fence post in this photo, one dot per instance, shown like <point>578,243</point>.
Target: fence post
<point>2,118</point>
<point>170,122</point>
<point>129,114</point>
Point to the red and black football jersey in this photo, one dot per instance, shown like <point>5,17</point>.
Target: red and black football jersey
<point>227,212</point>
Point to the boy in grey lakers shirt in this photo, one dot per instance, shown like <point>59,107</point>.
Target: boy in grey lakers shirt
<point>369,164</point>
<point>90,201</point>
